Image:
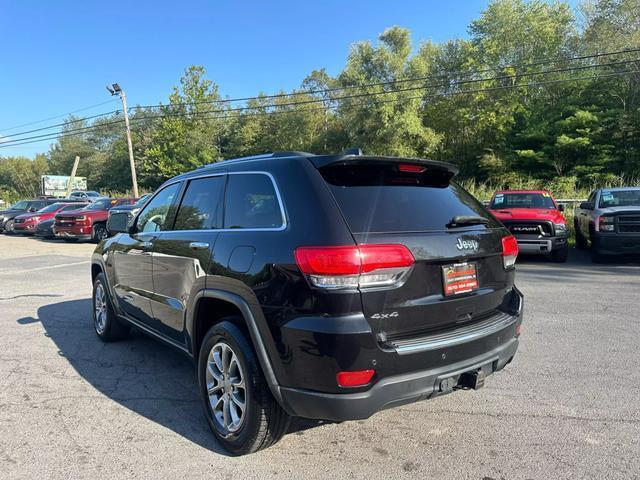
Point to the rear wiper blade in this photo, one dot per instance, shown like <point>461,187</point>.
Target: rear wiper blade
<point>462,220</point>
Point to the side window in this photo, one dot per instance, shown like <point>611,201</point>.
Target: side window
<point>251,202</point>
<point>156,214</point>
<point>201,206</point>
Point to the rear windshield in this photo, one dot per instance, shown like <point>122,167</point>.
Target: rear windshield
<point>522,200</point>
<point>380,198</point>
<point>620,198</point>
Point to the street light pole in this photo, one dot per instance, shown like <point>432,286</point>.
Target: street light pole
<point>116,90</point>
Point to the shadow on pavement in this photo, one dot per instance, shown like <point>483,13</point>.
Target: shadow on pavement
<point>140,373</point>
<point>579,265</point>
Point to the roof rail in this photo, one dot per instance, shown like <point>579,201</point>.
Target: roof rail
<point>292,153</point>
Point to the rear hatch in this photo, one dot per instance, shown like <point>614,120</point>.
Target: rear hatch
<point>448,232</point>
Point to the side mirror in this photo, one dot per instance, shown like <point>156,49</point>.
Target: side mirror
<point>118,223</point>
<point>587,206</point>
<point>560,207</point>
<point>33,209</point>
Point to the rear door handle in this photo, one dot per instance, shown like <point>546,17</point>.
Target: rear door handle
<point>199,245</point>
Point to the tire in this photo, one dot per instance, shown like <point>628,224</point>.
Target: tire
<point>263,421</point>
<point>99,232</point>
<point>8,228</point>
<point>596,256</point>
<point>581,241</point>
<point>561,255</point>
<point>106,323</point>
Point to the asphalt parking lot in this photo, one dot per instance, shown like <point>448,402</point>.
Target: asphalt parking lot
<point>72,407</point>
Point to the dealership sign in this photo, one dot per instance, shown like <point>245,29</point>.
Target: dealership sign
<point>56,185</point>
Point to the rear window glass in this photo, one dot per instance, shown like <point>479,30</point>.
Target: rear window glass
<point>251,202</point>
<point>201,206</point>
<point>522,200</point>
<point>381,198</point>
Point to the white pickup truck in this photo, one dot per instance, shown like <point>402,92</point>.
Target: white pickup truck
<point>610,221</point>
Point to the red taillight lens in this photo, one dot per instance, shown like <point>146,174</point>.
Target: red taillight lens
<point>407,168</point>
<point>354,379</point>
<point>354,266</point>
<point>509,251</point>
<point>328,260</point>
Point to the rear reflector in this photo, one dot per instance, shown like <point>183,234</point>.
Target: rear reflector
<point>355,265</point>
<point>509,251</point>
<point>354,379</point>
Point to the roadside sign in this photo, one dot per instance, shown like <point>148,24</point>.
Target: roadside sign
<point>56,185</point>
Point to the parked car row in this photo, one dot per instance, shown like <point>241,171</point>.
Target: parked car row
<point>79,217</point>
<point>609,220</point>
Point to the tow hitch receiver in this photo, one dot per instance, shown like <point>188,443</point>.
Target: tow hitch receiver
<point>473,380</point>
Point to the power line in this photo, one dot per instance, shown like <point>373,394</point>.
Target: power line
<point>56,116</point>
<point>393,82</point>
<point>395,100</point>
<point>335,99</point>
<point>64,124</point>
<point>363,86</point>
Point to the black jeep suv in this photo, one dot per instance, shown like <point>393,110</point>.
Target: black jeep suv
<point>321,286</point>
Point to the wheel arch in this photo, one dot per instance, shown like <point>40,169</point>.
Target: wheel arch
<point>230,304</point>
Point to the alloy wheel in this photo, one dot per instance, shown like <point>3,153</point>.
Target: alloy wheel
<point>226,388</point>
<point>100,309</point>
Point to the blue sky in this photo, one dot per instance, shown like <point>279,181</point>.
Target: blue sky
<point>59,55</point>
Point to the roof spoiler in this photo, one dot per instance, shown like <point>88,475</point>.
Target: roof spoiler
<point>325,160</point>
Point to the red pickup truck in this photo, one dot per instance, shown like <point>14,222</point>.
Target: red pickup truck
<point>535,219</point>
<point>89,223</point>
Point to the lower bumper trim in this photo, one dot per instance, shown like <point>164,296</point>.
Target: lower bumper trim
<point>392,391</point>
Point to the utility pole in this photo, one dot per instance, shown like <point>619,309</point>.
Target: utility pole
<point>73,176</point>
<point>116,90</point>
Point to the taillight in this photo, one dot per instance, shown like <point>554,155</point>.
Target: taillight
<point>354,379</point>
<point>348,267</point>
<point>509,251</point>
<point>408,168</point>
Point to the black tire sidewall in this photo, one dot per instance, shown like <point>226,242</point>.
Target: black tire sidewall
<point>97,228</point>
<point>226,332</point>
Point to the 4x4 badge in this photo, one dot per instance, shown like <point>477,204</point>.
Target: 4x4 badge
<point>467,244</point>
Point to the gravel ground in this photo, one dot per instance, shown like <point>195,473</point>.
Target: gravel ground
<point>72,407</point>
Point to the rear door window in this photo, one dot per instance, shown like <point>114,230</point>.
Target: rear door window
<point>378,197</point>
<point>201,206</point>
<point>251,202</point>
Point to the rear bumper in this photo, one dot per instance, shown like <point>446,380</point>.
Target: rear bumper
<point>618,243</point>
<point>392,391</point>
<point>487,346</point>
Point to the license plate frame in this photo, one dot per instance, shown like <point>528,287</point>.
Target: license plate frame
<point>460,278</point>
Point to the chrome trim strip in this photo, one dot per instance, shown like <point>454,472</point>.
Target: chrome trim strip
<point>455,337</point>
<point>217,174</point>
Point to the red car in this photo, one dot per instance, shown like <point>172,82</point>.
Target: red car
<point>535,219</point>
<point>27,223</point>
<point>90,223</point>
